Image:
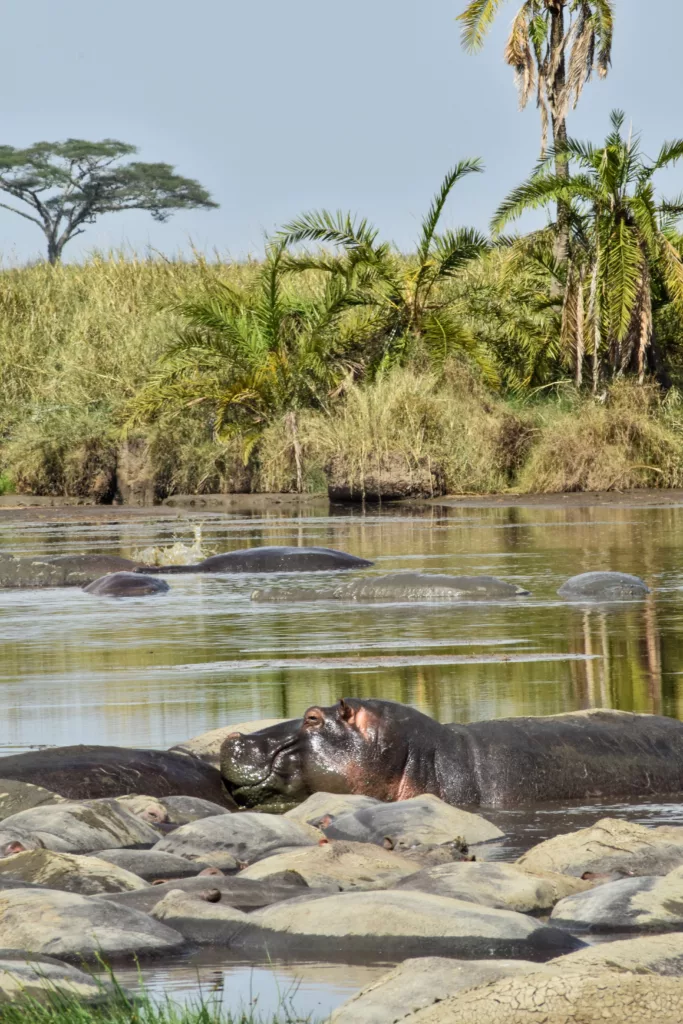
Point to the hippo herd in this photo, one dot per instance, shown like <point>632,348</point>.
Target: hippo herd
<point>358,830</point>
<point>111,576</point>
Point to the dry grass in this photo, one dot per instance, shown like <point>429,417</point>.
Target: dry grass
<point>410,434</point>
<point>630,440</point>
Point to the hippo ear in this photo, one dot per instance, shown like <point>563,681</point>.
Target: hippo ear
<point>346,712</point>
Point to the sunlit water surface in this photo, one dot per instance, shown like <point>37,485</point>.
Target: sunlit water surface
<point>153,672</point>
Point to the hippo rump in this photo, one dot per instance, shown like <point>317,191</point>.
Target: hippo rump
<point>92,773</point>
<point>389,751</point>
<point>273,559</point>
<point>400,586</point>
<point>59,570</point>
<point>126,584</point>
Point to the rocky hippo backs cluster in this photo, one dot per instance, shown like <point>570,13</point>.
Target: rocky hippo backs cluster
<point>362,832</point>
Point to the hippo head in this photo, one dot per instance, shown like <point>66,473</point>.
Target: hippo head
<point>356,746</point>
<point>262,770</point>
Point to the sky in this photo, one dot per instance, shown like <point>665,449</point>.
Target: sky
<point>277,108</point>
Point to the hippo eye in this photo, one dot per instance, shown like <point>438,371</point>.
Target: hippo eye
<point>313,717</point>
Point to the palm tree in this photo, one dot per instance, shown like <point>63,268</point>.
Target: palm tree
<point>252,357</point>
<point>552,56</point>
<point>398,301</point>
<point>628,240</point>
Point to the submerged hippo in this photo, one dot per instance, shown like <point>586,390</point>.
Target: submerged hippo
<point>401,586</point>
<point>60,570</point>
<point>270,560</point>
<point>91,773</point>
<point>391,752</point>
<point>604,586</point>
<point>126,584</point>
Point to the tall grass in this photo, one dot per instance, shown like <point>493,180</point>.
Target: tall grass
<point>116,1006</point>
<point>77,342</point>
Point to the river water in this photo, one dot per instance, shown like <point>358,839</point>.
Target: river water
<point>155,672</point>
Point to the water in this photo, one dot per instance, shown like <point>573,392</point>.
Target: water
<point>154,672</point>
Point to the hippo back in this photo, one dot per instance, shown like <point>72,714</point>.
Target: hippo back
<point>94,772</point>
<point>575,756</point>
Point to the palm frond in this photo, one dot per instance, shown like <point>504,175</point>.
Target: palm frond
<point>625,268</point>
<point>453,249</point>
<point>477,19</point>
<point>431,221</point>
<point>330,228</point>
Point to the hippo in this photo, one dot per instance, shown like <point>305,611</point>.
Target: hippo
<point>269,560</point>
<point>604,586</point>
<point>126,584</point>
<point>400,586</point>
<point>59,570</point>
<point>386,750</point>
<point>94,772</point>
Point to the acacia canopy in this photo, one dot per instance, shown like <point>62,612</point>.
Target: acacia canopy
<point>66,185</point>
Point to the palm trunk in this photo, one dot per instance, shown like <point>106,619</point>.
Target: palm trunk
<point>296,445</point>
<point>580,339</point>
<point>556,91</point>
<point>594,313</point>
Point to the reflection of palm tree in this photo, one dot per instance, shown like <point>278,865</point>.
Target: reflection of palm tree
<point>654,659</point>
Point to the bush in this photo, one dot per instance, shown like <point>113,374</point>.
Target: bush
<point>411,435</point>
<point>64,451</point>
<point>628,440</point>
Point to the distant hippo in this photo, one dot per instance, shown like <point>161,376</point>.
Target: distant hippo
<point>400,586</point>
<point>92,772</point>
<point>604,587</point>
<point>270,560</point>
<point>126,584</point>
<point>59,570</point>
<point>388,751</point>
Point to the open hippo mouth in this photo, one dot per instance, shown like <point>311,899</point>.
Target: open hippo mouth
<point>263,770</point>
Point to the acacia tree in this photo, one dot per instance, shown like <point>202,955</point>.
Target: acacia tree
<point>67,185</point>
<point>629,242</point>
<point>553,47</point>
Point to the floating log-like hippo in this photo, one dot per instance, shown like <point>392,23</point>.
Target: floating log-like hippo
<point>60,570</point>
<point>126,584</point>
<point>400,586</point>
<point>388,751</point>
<point>94,772</point>
<point>269,559</point>
<point>604,587</point>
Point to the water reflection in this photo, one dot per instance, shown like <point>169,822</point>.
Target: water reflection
<point>155,672</point>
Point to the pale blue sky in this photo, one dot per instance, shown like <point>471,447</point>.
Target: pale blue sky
<point>279,107</point>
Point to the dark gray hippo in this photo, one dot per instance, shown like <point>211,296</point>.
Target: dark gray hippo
<point>604,587</point>
<point>126,584</point>
<point>92,773</point>
<point>60,570</point>
<point>400,586</point>
<point>389,751</point>
<point>269,560</point>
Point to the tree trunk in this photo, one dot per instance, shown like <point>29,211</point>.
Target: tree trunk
<point>580,339</point>
<point>54,251</point>
<point>296,445</point>
<point>594,313</point>
<point>556,90</point>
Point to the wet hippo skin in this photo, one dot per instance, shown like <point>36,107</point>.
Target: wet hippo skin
<point>93,772</point>
<point>392,752</point>
<point>270,559</point>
